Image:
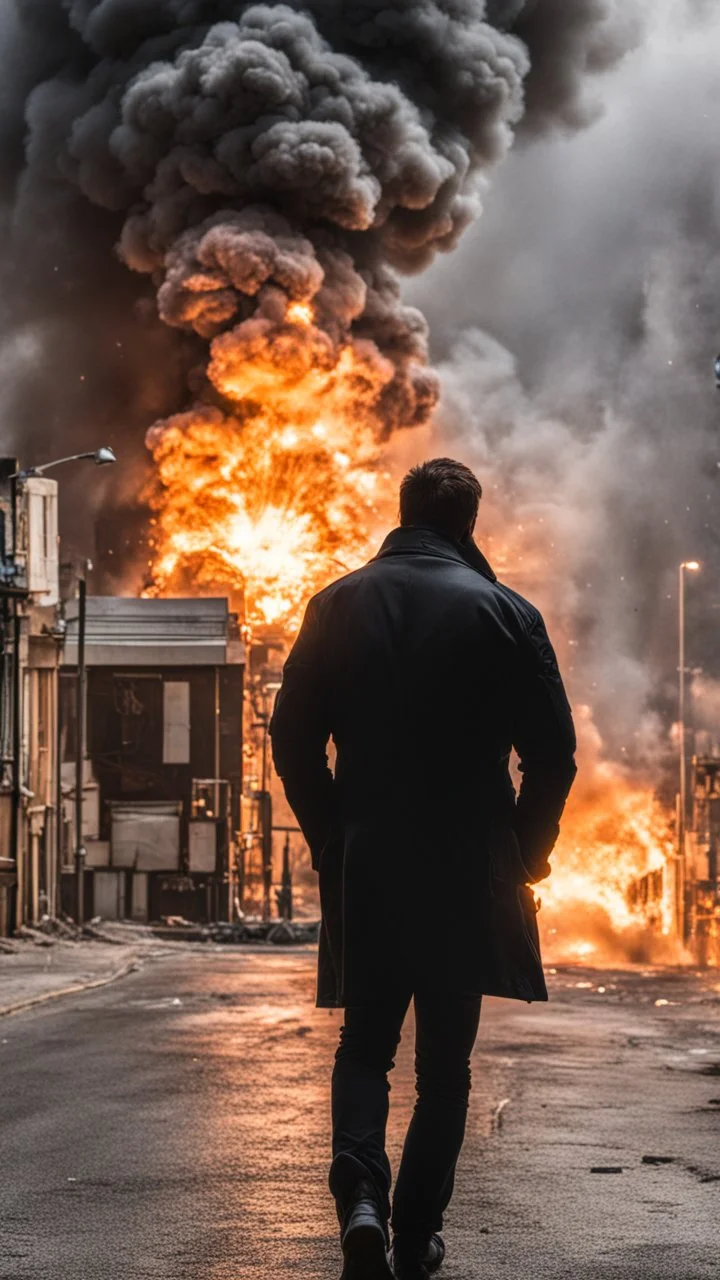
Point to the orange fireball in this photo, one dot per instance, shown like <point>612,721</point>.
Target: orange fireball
<point>282,489</point>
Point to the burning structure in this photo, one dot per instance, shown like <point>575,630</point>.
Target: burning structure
<point>212,205</point>
<point>702,861</point>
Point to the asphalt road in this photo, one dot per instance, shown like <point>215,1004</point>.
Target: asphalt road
<point>174,1127</point>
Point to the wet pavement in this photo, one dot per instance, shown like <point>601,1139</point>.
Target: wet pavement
<point>174,1126</point>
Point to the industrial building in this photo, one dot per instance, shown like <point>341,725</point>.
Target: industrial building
<point>161,747</point>
<point>162,776</point>
<point>702,862</point>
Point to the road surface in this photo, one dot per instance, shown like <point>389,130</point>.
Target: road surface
<point>173,1126</point>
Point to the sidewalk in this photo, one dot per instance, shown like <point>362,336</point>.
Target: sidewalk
<point>44,968</point>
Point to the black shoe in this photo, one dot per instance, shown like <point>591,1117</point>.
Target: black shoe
<point>413,1261</point>
<point>364,1241</point>
<point>407,1267</point>
<point>434,1254</point>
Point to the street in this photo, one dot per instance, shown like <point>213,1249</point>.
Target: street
<point>175,1125</point>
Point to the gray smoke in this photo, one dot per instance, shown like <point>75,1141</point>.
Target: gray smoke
<point>241,157</point>
<point>579,379</point>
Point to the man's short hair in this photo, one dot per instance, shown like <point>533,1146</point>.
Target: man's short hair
<point>440,494</point>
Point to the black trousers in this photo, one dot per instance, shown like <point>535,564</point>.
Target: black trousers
<point>446,1028</point>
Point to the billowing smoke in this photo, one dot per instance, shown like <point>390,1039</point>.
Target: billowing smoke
<point>578,379</point>
<point>244,160</point>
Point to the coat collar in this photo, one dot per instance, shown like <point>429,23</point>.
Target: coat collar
<point>416,541</point>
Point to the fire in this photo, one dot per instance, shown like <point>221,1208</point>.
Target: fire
<point>281,489</point>
<point>300,313</point>
<point>269,515</point>
<point>615,834</point>
<point>274,484</point>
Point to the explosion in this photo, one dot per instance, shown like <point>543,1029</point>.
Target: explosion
<point>272,168</point>
<point>267,171</point>
<point>269,502</point>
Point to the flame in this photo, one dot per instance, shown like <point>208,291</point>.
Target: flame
<point>280,490</point>
<point>276,483</point>
<point>615,832</point>
<point>300,313</point>
<point>607,843</point>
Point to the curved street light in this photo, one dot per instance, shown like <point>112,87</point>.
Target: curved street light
<point>101,457</point>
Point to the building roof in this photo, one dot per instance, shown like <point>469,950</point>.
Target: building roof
<point>124,631</point>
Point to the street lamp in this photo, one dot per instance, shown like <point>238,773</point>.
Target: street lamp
<point>101,457</point>
<point>686,566</point>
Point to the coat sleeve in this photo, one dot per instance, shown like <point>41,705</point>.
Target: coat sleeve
<point>299,730</point>
<point>544,738</point>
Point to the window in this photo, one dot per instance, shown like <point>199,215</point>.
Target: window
<point>176,722</point>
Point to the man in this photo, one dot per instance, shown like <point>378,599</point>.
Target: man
<point>425,671</point>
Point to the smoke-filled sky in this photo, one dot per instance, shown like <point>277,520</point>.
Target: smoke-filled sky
<point>135,133</point>
<point>246,156</point>
<point>573,327</point>
<point>576,328</point>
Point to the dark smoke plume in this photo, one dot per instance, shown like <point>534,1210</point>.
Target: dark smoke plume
<point>242,157</point>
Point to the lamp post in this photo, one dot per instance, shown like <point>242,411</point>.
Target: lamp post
<point>80,703</point>
<point>686,566</point>
<point>101,457</point>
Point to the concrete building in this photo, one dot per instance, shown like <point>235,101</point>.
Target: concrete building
<point>30,639</point>
<point>702,861</point>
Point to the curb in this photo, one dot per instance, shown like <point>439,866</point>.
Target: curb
<point>20,1005</point>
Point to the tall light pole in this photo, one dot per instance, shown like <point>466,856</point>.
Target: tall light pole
<point>686,566</point>
<point>80,704</point>
<point>101,457</point>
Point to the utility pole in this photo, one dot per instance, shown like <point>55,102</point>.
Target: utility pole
<point>680,875</point>
<point>284,893</point>
<point>266,822</point>
<point>80,704</point>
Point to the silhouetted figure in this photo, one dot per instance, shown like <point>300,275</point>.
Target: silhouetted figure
<point>425,671</point>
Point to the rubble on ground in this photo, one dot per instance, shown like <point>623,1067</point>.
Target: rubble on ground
<point>275,932</point>
<point>51,930</point>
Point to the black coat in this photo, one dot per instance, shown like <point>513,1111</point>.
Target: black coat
<point>425,671</point>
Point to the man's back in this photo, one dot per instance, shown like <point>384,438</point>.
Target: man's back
<point>426,672</point>
<point>421,659</point>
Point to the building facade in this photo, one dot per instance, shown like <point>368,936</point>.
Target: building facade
<point>162,778</point>
<point>30,643</point>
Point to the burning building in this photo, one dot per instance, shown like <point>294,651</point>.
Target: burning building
<point>212,206</point>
